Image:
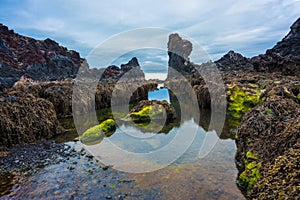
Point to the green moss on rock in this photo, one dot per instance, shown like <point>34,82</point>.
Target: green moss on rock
<point>96,133</point>
<point>240,102</point>
<point>251,156</point>
<point>108,126</point>
<point>251,174</point>
<point>145,114</point>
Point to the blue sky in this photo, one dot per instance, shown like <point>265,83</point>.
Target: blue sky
<point>246,26</point>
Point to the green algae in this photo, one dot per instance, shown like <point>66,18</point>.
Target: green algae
<point>251,174</point>
<point>108,126</point>
<point>145,114</point>
<point>270,111</point>
<point>251,156</point>
<point>96,133</point>
<point>240,102</point>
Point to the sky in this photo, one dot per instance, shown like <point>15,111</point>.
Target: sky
<point>249,27</point>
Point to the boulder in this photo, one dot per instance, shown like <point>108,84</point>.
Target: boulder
<point>26,120</point>
<point>146,110</point>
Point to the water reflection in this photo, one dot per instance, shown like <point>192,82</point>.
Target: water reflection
<point>160,95</point>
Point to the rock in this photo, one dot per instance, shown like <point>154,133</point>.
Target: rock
<point>152,109</point>
<point>133,63</point>
<point>284,56</point>
<point>59,93</point>
<point>179,51</point>
<point>234,61</point>
<point>116,73</point>
<point>96,133</point>
<point>268,149</point>
<point>26,120</point>
<point>38,59</point>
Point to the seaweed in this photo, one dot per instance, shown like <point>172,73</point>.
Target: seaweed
<point>240,102</point>
<point>251,174</point>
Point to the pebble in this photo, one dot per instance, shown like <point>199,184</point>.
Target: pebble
<point>89,156</point>
<point>108,197</point>
<point>70,168</point>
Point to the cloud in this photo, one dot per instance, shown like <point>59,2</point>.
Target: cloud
<point>249,27</point>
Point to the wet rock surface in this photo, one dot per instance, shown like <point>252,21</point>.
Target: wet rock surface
<point>25,169</point>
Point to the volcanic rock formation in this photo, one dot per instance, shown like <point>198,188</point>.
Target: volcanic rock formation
<point>36,59</point>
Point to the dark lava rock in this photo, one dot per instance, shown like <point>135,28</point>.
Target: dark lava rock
<point>37,59</point>
<point>234,61</point>
<point>131,69</point>
<point>284,56</point>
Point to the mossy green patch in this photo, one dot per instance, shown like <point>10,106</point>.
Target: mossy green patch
<point>144,114</point>
<point>92,134</point>
<point>270,111</point>
<point>298,97</point>
<point>108,126</point>
<point>96,133</point>
<point>240,102</point>
<point>251,174</point>
<point>251,156</point>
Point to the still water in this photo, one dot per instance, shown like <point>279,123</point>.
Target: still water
<point>161,94</point>
<point>188,177</point>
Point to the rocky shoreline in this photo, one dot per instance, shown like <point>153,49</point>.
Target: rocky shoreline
<point>263,102</point>
<point>263,105</point>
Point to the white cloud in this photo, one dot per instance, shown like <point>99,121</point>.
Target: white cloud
<point>246,26</point>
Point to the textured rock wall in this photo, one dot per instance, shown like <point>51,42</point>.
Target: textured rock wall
<point>26,120</point>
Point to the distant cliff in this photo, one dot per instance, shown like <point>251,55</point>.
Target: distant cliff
<point>284,56</point>
<point>36,59</point>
